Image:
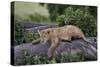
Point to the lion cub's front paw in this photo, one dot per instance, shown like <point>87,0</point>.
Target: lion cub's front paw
<point>50,56</point>
<point>34,42</point>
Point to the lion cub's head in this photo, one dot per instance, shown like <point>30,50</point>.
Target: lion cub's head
<point>44,35</point>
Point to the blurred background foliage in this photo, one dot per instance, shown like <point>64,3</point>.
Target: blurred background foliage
<point>85,17</point>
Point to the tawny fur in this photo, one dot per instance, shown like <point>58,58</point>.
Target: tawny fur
<point>54,35</point>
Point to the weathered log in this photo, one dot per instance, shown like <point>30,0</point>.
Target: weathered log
<point>40,27</point>
<point>29,24</point>
<point>72,48</point>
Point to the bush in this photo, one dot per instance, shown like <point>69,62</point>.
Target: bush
<point>27,59</point>
<point>79,17</point>
<point>22,35</point>
<point>30,36</point>
<point>19,33</point>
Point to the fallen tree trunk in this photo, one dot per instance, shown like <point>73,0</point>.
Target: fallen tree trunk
<point>41,27</point>
<point>67,48</point>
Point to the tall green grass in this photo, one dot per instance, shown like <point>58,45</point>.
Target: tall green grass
<point>31,11</point>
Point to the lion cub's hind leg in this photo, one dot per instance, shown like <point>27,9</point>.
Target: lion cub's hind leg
<point>66,39</point>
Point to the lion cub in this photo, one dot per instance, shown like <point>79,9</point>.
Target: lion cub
<point>54,35</point>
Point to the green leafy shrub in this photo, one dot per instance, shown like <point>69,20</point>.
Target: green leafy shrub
<point>22,35</point>
<point>56,10</point>
<point>28,59</point>
<point>79,17</point>
<point>30,36</point>
<point>19,33</point>
<point>72,58</point>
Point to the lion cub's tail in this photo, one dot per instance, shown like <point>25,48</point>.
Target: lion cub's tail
<point>86,40</point>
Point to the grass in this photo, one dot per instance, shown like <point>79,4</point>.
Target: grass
<point>31,11</point>
<point>25,8</point>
